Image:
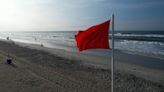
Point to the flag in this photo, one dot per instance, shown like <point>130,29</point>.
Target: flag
<point>95,37</point>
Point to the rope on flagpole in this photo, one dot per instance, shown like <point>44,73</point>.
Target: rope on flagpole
<point>112,63</point>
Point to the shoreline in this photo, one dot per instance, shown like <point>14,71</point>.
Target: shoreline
<point>66,62</point>
<point>149,61</point>
<point>122,62</point>
<point>132,64</point>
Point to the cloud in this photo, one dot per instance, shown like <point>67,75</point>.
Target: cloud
<point>136,3</point>
<point>67,14</point>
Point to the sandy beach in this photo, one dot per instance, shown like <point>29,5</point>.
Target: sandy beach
<point>41,69</point>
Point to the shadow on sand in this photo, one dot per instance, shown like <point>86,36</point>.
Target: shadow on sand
<point>12,64</point>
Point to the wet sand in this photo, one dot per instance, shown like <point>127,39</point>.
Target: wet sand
<point>40,69</point>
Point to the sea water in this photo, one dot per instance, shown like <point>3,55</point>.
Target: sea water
<point>135,42</point>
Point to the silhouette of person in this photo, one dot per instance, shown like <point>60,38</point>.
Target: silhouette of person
<point>7,38</point>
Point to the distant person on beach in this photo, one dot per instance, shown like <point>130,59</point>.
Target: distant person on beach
<point>7,38</point>
<point>42,45</point>
<point>35,38</point>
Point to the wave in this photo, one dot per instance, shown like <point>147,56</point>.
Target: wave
<point>139,37</point>
<point>136,43</point>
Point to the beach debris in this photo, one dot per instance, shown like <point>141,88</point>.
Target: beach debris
<point>9,59</point>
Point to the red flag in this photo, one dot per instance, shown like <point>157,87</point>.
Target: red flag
<point>94,37</point>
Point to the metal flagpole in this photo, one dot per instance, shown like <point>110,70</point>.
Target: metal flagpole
<point>112,63</point>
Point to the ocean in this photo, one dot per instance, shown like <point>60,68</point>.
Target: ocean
<point>149,43</point>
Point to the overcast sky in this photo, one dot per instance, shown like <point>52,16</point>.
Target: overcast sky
<point>55,15</point>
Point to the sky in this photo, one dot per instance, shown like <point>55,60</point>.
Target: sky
<point>65,15</point>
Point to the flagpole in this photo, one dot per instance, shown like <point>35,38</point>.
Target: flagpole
<point>112,63</point>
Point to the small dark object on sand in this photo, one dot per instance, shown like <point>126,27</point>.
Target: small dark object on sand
<point>42,45</point>
<point>7,38</point>
<point>9,61</point>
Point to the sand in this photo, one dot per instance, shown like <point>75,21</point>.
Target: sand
<point>40,69</point>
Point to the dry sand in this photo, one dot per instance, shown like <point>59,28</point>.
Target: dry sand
<point>39,69</point>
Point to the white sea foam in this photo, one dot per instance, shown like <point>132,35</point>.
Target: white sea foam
<point>65,40</point>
